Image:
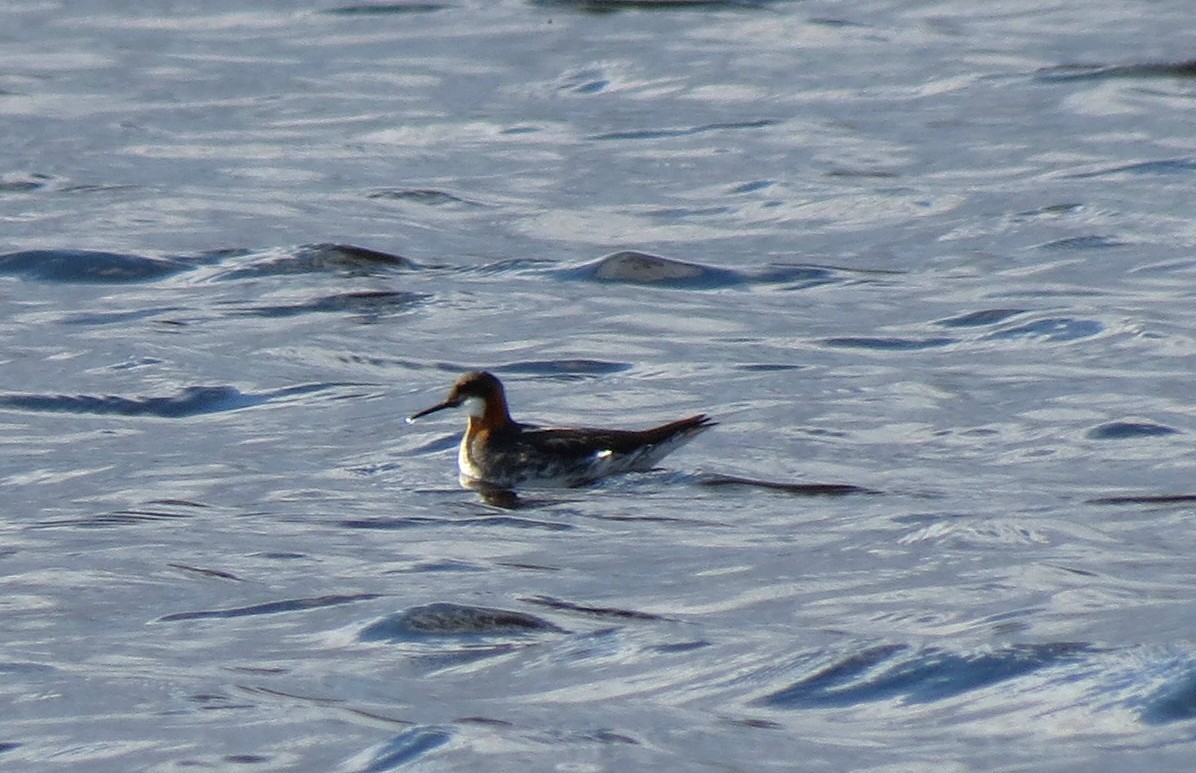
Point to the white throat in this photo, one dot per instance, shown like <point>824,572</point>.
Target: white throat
<point>475,406</point>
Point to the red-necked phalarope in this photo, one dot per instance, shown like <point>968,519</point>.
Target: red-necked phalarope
<point>499,453</point>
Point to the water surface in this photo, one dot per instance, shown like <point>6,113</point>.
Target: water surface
<point>929,266</point>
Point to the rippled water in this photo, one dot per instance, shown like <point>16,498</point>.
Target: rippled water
<point>931,266</point>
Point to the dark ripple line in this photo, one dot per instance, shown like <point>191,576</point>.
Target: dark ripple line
<point>1146,499</point>
<point>384,9</point>
<point>575,369</point>
<point>926,676</point>
<point>800,489</point>
<point>192,401</point>
<point>1161,166</point>
<point>269,608</point>
<point>1071,72</point>
<point>651,134</point>
<point>428,196</point>
<point>1086,242</point>
<point>372,304</point>
<point>569,606</point>
<point>115,518</point>
<point>982,318</point>
<point>611,6</point>
<point>890,344</point>
<point>216,573</point>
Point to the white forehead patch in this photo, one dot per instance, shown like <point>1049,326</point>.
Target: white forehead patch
<point>475,406</point>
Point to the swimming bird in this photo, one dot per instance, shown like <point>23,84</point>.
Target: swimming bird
<point>499,453</point>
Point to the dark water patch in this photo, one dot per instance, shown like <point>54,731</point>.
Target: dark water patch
<point>1053,211</point>
<point>1145,499</point>
<point>1126,430</point>
<point>590,81</point>
<point>86,188</point>
<point>982,318</point>
<point>405,748</point>
<point>88,267</point>
<point>1165,166</point>
<point>682,646</point>
<point>28,669</point>
<point>890,344</point>
<point>680,213</point>
<point>865,174</point>
<point>384,9</point>
<point>192,401</point>
<point>274,692</point>
<point>687,131</point>
<point>755,723</point>
<point>438,566</point>
<point>603,612</point>
<point>369,306</point>
<point>568,370</point>
<point>519,130</point>
<point>1050,330</point>
<point>112,519</point>
<point>511,522</point>
<point>1173,702</point>
<point>767,367</point>
<point>343,259</point>
<point>441,619</point>
<point>506,266</point>
<point>611,6</point>
<point>800,276</point>
<point>1087,242</point>
<point>750,187</point>
<point>1070,72</point>
<point>607,737</point>
<point>204,572</point>
<point>117,317</point>
<point>633,267</point>
<point>484,721</point>
<point>528,567</point>
<point>427,196</point>
<point>177,503</point>
<point>799,489</point>
<point>24,183</point>
<point>917,676</point>
<point>7,746</point>
<point>269,608</point>
<point>409,522</point>
<point>507,499</point>
<point>217,702</point>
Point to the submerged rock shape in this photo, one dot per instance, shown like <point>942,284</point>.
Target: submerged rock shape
<point>644,268</point>
<point>447,619</point>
